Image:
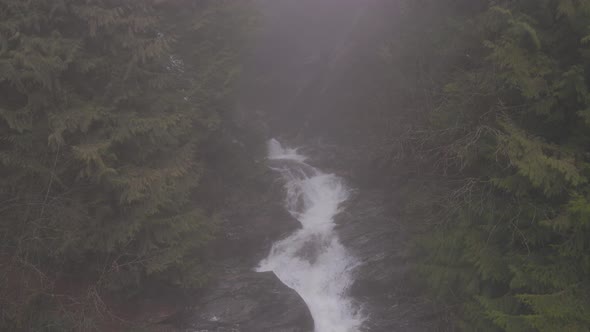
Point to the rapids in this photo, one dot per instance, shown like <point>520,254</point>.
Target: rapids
<point>312,261</point>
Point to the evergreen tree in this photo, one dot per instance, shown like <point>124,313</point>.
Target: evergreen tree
<point>105,106</point>
<point>503,151</point>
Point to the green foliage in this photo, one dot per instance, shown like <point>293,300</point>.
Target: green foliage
<point>105,109</point>
<point>508,136</point>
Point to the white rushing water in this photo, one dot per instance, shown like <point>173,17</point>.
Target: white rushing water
<point>312,260</point>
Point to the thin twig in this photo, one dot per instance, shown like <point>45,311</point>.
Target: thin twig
<point>50,180</point>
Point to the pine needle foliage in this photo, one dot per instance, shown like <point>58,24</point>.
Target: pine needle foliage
<point>103,114</point>
<point>507,245</point>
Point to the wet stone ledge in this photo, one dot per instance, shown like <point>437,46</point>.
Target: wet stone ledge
<point>251,302</point>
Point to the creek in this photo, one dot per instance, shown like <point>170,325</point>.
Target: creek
<point>312,260</point>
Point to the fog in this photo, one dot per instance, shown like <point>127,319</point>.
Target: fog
<point>294,165</point>
<point>299,50</point>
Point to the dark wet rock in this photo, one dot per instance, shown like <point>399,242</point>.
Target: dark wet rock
<point>251,302</point>
<point>350,163</point>
<point>237,299</point>
<point>247,236</point>
<point>384,282</point>
<point>313,248</point>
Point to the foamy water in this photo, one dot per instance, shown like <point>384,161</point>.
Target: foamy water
<point>312,260</point>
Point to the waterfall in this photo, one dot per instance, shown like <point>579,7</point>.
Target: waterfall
<point>312,261</point>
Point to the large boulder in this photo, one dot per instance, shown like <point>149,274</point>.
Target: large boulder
<point>251,302</point>
<point>246,234</point>
<point>250,237</point>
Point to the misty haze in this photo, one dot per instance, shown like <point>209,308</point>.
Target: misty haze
<point>295,165</point>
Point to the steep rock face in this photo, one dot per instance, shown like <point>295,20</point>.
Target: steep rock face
<point>246,238</point>
<point>237,299</point>
<point>252,222</point>
<point>384,281</point>
<point>251,302</point>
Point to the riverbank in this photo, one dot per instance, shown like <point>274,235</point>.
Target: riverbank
<point>371,226</point>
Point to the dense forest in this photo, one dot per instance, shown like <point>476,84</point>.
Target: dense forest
<point>124,145</point>
<point>112,113</point>
<point>492,139</point>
